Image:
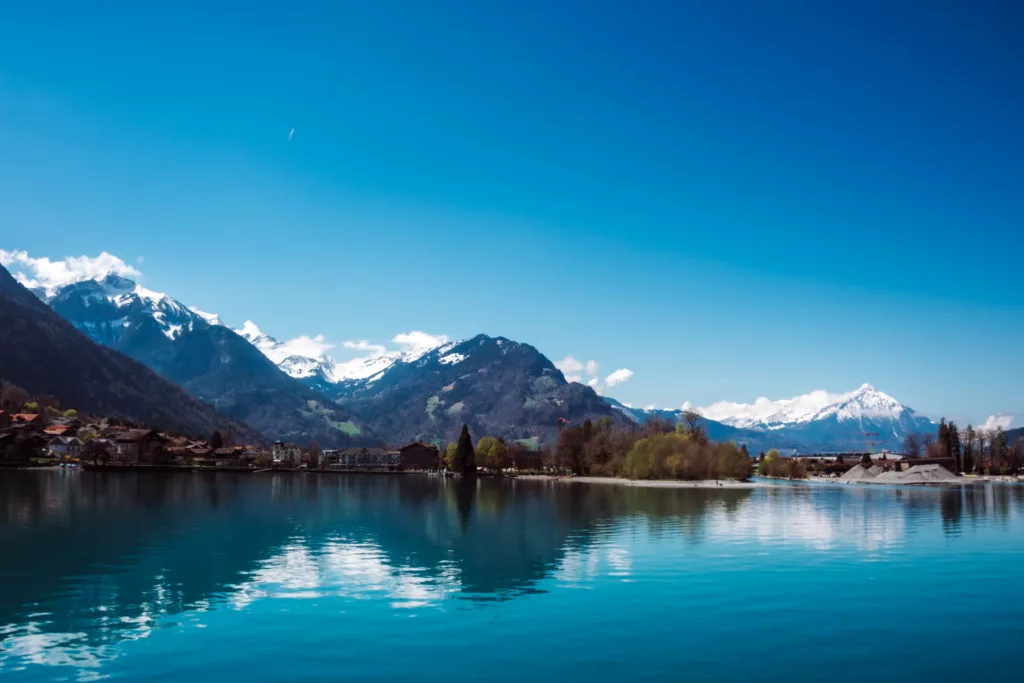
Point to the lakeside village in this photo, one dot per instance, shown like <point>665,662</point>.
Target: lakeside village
<point>654,451</point>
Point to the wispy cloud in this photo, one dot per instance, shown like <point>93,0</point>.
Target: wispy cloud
<point>291,133</point>
<point>417,342</point>
<point>50,275</point>
<point>618,377</point>
<point>575,369</point>
<point>363,345</point>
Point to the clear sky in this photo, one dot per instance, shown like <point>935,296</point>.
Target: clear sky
<point>730,199</point>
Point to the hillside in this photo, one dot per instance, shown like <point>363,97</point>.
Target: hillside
<point>209,361</point>
<point>497,386</point>
<point>45,354</point>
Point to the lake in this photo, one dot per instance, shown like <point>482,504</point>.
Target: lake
<point>234,577</point>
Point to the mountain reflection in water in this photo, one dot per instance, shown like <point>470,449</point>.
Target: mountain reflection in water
<point>93,562</point>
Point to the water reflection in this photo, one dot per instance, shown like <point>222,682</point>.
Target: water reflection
<point>94,561</point>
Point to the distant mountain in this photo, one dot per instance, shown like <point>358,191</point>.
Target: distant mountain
<point>497,386</point>
<point>209,360</point>
<point>822,422</point>
<point>753,439</point>
<point>43,353</point>
<point>1014,435</point>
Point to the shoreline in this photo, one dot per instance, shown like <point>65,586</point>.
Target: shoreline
<point>649,483</point>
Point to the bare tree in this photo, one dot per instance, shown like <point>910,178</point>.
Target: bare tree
<point>912,445</point>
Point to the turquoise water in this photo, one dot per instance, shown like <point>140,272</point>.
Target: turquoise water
<point>204,577</point>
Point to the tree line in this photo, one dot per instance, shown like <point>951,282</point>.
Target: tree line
<point>972,451</point>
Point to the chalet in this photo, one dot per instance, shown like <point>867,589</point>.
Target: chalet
<point>137,445</point>
<point>419,456</point>
<point>227,455</point>
<point>199,454</point>
<point>24,418</point>
<point>65,446</point>
<point>287,452</point>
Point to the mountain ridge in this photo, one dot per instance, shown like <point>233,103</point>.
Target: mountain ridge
<point>45,354</point>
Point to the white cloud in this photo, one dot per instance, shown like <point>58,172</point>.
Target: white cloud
<point>303,345</point>
<point>687,406</point>
<point>569,365</point>
<point>995,421</point>
<point>418,343</point>
<point>291,133</point>
<point>651,407</point>
<point>618,377</point>
<point>594,383</point>
<point>42,272</point>
<point>592,368</point>
<point>363,345</point>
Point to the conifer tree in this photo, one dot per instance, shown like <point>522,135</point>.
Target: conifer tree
<point>465,457</point>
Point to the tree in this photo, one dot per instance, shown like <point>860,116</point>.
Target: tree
<point>216,441</point>
<point>465,457</point>
<point>968,455</point>
<point>483,451</point>
<point>767,462</point>
<point>449,456</point>
<point>12,397</point>
<point>865,460</point>
<point>695,426</point>
<point>912,445</point>
<point>314,453</point>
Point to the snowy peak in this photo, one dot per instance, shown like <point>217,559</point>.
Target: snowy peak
<point>866,402</point>
<point>114,301</point>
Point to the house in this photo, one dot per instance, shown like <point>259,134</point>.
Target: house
<point>368,459</point>
<point>138,445</point>
<point>65,446</point>
<point>97,449</point>
<point>227,455</point>
<point>24,418</point>
<point>21,444</point>
<point>419,456</point>
<point>287,452</point>
<point>5,419</point>
<point>59,430</point>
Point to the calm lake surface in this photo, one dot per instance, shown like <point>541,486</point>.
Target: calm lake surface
<point>205,577</point>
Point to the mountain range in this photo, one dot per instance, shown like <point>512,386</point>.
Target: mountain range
<point>46,355</point>
<point>495,385</point>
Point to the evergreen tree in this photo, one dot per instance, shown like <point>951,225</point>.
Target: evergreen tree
<point>465,457</point>
<point>943,438</point>
<point>216,441</point>
<point>953,445</point>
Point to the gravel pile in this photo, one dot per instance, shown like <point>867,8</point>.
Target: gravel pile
<point>918,474</point>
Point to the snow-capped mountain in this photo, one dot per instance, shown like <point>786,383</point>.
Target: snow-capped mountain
<point>194,350</point>
<point>495,385</point>
<point>821,420</point>
<point>106,308</point>
<point>304,358</point>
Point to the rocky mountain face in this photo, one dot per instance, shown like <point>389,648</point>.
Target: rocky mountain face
<point>497,386</point>
<point>208,360</point>
<point>45,354</point>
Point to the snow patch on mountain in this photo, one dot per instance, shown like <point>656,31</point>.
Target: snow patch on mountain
<point>865,402</point>
<point>451,359</point>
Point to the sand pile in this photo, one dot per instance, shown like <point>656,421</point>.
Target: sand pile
<point>859,474</point>
<point>918,474</point>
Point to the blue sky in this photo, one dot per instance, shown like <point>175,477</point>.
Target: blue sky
<point>732,199</point>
